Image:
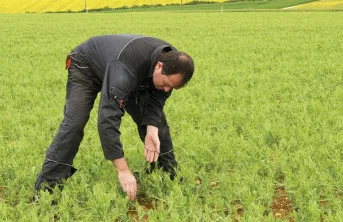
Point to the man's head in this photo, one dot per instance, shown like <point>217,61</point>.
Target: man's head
<point>173,70</point>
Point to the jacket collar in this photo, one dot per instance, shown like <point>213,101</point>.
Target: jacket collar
<point>156,54</point>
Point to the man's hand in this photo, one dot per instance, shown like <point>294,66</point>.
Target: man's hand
<point>126,179</point>
<point>128,183</point>
<point>151,144</point>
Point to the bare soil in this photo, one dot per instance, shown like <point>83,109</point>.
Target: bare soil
<point>281,205</point>
<point>239,212</point>
<point>2,192</point>
<point>145,203</point>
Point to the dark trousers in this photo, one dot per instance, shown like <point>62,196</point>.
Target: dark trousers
<point>82,89</point>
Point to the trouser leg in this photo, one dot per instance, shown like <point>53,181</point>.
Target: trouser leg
<point>166,159</point>
<point>60,154</point>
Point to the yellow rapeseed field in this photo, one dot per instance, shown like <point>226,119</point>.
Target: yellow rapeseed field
<point>22,6</point>
<point>323,4</point>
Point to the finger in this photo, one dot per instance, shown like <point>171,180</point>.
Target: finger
<point>124,188</point>
<point>145,152</point>
<point>128,195</point>
<point>158,146</point>
<point>134,190</point>
<point>131,193</point>
<point>156,156</point>
<point>147,155</point>
<point>151,157</point>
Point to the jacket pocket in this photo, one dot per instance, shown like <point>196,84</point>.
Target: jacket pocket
<point>117,97</point>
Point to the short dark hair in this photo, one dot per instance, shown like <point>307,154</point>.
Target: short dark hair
<point>175,62</point>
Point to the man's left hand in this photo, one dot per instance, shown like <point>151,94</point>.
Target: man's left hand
<point>151,144</point>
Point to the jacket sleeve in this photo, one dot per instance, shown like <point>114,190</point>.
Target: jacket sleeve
<point>117,85</point>
<point>154,107</point>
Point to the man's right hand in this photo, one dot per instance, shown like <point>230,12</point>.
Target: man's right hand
<point>126,179</point>
<point>128,183</point>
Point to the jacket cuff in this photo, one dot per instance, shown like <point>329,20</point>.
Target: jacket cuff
<point>150,122</point>
<point>114,155</point>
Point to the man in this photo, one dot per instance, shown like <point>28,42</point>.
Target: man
<point>135,74</point>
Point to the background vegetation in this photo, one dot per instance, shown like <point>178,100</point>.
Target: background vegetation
<point>21,6</point>
<point>264,111</point>
<point>323,5</point>
<point>78,5</point>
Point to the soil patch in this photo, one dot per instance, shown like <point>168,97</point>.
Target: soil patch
<point>237,210</point>
<point>144,202</point>
<point>238,214</point>
<point>281,205</point>
<point>198,181</point>
<point>339,193</point>
<point>2,192</point>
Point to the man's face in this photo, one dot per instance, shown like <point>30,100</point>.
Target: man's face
<point>164,82</point>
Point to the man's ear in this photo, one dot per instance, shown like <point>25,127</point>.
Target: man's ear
<point>160,64</point>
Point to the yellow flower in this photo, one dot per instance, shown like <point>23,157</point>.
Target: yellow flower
<point>323,4</point>
<point>15,6</point>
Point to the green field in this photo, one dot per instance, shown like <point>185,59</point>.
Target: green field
<point>263,113</point>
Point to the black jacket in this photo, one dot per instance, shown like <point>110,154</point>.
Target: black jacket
<point>124,65</point>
